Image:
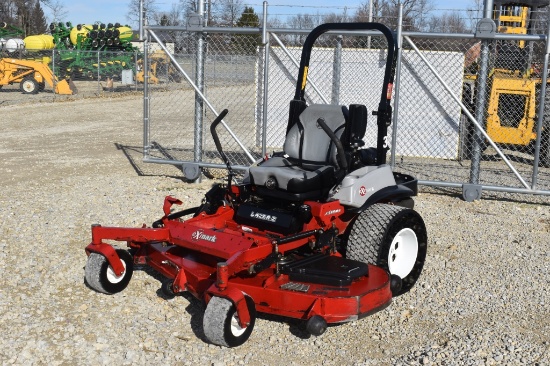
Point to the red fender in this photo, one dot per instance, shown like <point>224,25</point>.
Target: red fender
<point>110,254</point>
<point>238,299</point>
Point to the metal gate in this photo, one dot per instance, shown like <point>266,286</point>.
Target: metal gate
<point>447,130</point>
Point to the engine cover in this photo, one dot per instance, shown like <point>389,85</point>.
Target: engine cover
<point>266,219</point>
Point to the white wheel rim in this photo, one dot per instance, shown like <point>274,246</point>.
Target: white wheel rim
<point>28,86</point>
<point>236,329</point>
<point>112,277</point>
<point>403,252</point>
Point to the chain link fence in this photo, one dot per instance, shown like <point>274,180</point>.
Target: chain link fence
<point>455,124</point>
<point>470,111</point>
<point>505,100</point>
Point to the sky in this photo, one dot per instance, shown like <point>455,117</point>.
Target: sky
<point>113,11</point>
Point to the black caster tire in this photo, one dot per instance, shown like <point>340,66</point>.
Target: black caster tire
<point>167,289</point>
<point>221,323</point>
<point>100,276</point>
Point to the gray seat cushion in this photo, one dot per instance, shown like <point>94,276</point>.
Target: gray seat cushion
<point>292,178</point>
<point>309,159</point>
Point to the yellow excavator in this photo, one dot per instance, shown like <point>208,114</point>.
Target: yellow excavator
<point>513,97</point>
<point>157,60</point>
<point>32,77</point>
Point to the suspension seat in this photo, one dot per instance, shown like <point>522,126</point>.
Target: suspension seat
<point>307,168</point>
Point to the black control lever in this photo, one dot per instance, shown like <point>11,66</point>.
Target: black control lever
<point>341,156</point>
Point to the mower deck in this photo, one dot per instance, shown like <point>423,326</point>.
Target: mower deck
<point>276,293</point>
<point>192,252</point>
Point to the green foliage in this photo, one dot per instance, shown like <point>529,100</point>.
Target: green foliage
<point>247,43</point>
<point>26,15</point>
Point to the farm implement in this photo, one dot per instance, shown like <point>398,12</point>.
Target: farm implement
<point>323,231</point>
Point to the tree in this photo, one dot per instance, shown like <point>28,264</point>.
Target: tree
<point>247,43</point>
<point>448,22</point>
<point>230,11</point>
<point>248,18</point>
<point>150,8</point>
<point>336,18</point>
<point>37,20</point>
<point>173,17</point>
<point>387,12</point>
<point>302,21</point>
<point>57,9</point>
<point>475,12</point>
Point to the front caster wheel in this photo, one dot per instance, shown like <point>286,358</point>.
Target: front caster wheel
<point>100,276</point>
<point>167,289</point>
<point>221,322</point>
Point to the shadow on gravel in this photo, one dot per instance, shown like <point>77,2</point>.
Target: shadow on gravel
<point>196,309</point>
<point>134,154</point>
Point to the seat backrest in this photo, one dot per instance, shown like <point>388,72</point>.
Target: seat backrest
<point>307,142</point>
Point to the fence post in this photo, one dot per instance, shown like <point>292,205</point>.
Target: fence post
<point>396,86</point>
<point>336,71</point>
<point>199,81</point>
<point>481,101</point>
<point>541,121</point>
<point>266,46</point>
<point>146,97</point>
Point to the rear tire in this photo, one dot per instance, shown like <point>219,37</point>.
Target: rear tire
<point>29,86</point>
<point>390,237</point>
<point>221,323</point>
<point>100,276</point>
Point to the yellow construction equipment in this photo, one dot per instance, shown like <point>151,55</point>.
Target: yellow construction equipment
<point>32,77</point>
<point>514,89</point>
<point>157,60</point>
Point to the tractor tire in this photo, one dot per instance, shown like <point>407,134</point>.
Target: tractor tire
<point>41,86</point>
<point>391,237</point>
<point>100,276</point>
<point>221,323</point>
<point>29,86</point>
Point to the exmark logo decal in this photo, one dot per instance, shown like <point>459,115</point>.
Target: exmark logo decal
<point>332,212</point>
<point>363,190</point>
<point>264,217</point>
<point>200,235</point>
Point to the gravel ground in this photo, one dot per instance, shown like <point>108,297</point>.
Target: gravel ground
<point>482,298</point>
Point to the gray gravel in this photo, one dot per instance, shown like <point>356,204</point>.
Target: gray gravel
<point>482,298</point>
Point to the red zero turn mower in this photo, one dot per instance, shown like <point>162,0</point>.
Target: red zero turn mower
<point>323,231</point>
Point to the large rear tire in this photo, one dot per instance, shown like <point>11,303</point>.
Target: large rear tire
<point>221,323</point>
<point>390,237</point>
